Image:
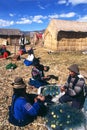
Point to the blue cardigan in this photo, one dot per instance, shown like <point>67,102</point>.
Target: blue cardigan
<point>23,109</point>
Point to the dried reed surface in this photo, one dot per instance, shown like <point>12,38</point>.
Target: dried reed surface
<point>58,63</point>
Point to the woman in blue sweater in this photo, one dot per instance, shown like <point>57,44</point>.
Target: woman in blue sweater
<point>25,107</point>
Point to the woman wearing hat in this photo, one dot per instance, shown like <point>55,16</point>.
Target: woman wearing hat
<point>74,88</point>
<point>25,107</point>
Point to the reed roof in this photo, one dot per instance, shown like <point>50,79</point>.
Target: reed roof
<point>64,25</point>
<point>10,32</point>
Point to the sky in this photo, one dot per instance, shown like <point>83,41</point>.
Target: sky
<point>31,15</point>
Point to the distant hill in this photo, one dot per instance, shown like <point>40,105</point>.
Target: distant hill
<point>29,32</point>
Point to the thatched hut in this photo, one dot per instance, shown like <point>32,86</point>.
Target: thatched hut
<point>11,36</point>
<point>64,35</point>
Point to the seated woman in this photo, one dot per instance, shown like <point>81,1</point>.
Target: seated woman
<point>25,107</point>
<point>29,60</point>
<point>74,88</point>
<point>4,53</point>
<point>38,79</point>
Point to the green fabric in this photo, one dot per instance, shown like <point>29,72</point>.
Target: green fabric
<point>11,66</point>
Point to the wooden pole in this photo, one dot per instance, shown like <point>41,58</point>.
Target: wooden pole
<point>15,49</point>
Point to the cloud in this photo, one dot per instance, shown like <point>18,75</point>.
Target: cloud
<point>75,2</point>
<point>53,16</point>
<point>68,15</point>
<point>31,19</point>
<point>83,19</point>
<point>11,14</point>
<point>5,23</point>
<point>62,2</point>
<point>24,21</point>
<point>38,18</point>
<point>41,7</point>
<point>38,21</point>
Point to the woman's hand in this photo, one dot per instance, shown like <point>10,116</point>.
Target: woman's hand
<point>62,89</point>
<point>39,97</point>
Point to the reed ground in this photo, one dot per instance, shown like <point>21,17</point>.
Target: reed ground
<point>58,63</point>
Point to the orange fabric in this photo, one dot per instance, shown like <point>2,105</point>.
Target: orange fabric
<point>20,52</point>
